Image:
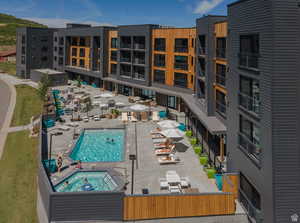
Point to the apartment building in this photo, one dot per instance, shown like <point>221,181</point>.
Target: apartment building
<point>235,78</point>
<point>34,50</point>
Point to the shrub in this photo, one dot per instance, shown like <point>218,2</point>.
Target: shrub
<point>210,173</point>
<point>189,133</point>
<point>198,150</point>
<point>193,141</point>
<point>203,160</point>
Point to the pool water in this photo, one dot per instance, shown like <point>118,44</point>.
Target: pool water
<point>87,181</point>
<point>93,146</point>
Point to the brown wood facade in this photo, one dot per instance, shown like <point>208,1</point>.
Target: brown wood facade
<point>170,34</point>
<point>171,206</point>
<point>111,34</point>
<point>75,60</point>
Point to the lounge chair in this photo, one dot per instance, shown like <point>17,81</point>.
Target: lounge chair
<point>72,124</point>
<point>157,136</point>
<point>184,183</point>
<point>96,118</point>
<point>64,128</point>
<point>168,160</point>
<point>163,183</point>
<point>86,119</point>
<point>155,116</point>
<point>124,117</point>
<point>174,189</point>
<point>165,151</point>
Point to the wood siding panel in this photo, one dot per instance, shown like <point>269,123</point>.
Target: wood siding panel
<point>170,206</point>
<point>170,35</point>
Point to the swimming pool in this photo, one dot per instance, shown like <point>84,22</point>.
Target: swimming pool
<point>99,146</point>
<point>87,181</point>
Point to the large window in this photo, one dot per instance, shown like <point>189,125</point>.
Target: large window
<point>125,56</point>
<point>82,41</point>
<point>139,72</point>
<point>180,80</point>
<point>181,62</point>
<point>221,74</point>
<point>159,60</point>
<point>60,61</point>
<point>202,44</point>
<point>250,198</point>
<point>61,41</point>
<point>125,42</point>
<point>81,63</point>
<point>61,51</point>
<point>113,69</point>
<point>113,55</point>
<point>114,42</point>
<point>139,57</point>
<point>160,44</point>
<point>23,60</point>
<point>125,70</point>
<point>159,76</point>
<point>202,66</point>
<point>221,48</point>
<point>249,95</point>
<point>249,138</point>
<point>181,45</point>
<point>74,52</point>
<point>249,51</point>
<point>139,42</point>
<point>82,52</point>
<point>221,103</point>
<point>74,62</point>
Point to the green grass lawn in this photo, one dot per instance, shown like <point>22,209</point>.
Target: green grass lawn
<point>8,67</point>
<point>28,104</point>
<point>18,183</point>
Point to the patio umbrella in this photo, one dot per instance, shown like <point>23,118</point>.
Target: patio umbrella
<point>172,133</point>
<point>139,107</point>
<point>103,105</point>
<point>168,124</point>
<point>106,95</point>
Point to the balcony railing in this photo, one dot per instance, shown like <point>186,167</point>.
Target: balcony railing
<point>125,45</point>
<point>139,61</point>
<point>249,147</point>
<point>221,53</point>
<point>139,76</point>
<point>181,66</point>
<point>221,108</point>
<point>125,59</point>
<point>220,79</point>
<point>139,46</point>
<point>249,103</point>
<point>181,49</point>
<point>254,214</point>
<point>125,74</point>
<point>248,60</point>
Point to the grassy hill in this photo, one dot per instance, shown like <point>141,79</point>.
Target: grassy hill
<point>8,25</point>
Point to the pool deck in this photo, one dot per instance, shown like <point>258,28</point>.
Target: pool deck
<point>138,141</point>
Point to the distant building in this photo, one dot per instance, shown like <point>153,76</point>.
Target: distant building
<point>8,56</point>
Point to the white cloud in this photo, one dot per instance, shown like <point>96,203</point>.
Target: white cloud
<point>205,6</point>
<point>61,22</point>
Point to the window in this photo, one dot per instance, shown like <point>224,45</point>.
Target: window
<point>202,44</point>
<point>221,74</point>
<point>74,62</point>
<point>139,57</point>
<point>61,51</point>
<point>74,52</point>
<point>82,52</point>
<point>221,48</point>
<point>159,76</point>
<point>180,80</point>
<point>139,42</point>
<point>55,39</point>
<point>139,72</point>
<point>55,58</point>
<point>159,60</point>
<point>44,59</point>
<point>249,95</point>
<point>23,60</point>
<point>181,45</point>
<point>44,38</point>
<point>250,198</point>
<point>74,41</point>
<point>114,55</point>
<point>201,89</point>
<point>160,44</point>
<point>44,49</point>
<point>249,138</point>
<point>202,66</point>
<point>193,42</point>
<point>81,63</point>
<point>113,69</point>
<point>221,103</point>
<point>125,42</point>
<point>23,39</point>
<point>181,62</point>
<point>114,43</point>
<point>23,50</point>
<point>125,56</point>
<point>61,41</point>
<point>125,70</point>
<point>60,61</point>
<point>249,51</point>
<point>55,49</point>
<point>81,41</point>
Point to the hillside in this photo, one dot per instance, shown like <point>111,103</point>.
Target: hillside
<point>8,25</point>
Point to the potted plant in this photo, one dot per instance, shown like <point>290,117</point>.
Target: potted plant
<point>211,172</point>
<point>193,141</point>
<point>189,133</point>
<point>198,149</point>
<point>203,159</point>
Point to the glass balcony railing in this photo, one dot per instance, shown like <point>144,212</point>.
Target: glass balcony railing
<point>249,147</point>
<point>248,60</point>
<point>254,214</point>
<point>220,79</point>
<point>125,59</point>
<point>221,108</point>
<point>181,49</point>
<point>139,61</point>
<point>181,66</point>
<point>125,74</point>
<point>249,103</point>
<point>221,53</point>
<point>139,46</point>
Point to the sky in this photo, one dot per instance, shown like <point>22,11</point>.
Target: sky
<point>56,13</point>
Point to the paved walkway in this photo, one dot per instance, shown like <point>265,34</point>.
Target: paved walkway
<point>8,102</point>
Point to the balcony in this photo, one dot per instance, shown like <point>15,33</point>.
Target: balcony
<point>125,74</point>
<point>220,79</point>
<point>221,108</point>
<point>249,147</point>
<point>249,103</point>
<point>248,60</point>
<point>181,66</point>
<point>139,46</point>
<point>140,61</point>
<point>181,49</point>
<point>221,53</point>
<point>254,214</point>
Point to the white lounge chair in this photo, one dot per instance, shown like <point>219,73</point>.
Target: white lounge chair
<point>96,118</point>
<point>64,128</point>
<point>165,151</point>
<point>155,116</point>
<point>163,183</point>
<point>168,160</point>
<point>157,136</point>
<point>174,189</point>
<point>85,119</point>
<point>184,183</point>
<point>72,124</point>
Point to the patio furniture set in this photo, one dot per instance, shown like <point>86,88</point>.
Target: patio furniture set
<point>174,183</point>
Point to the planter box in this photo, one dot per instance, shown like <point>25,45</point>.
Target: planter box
<point>203,160</point>
<point>210,173</point>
